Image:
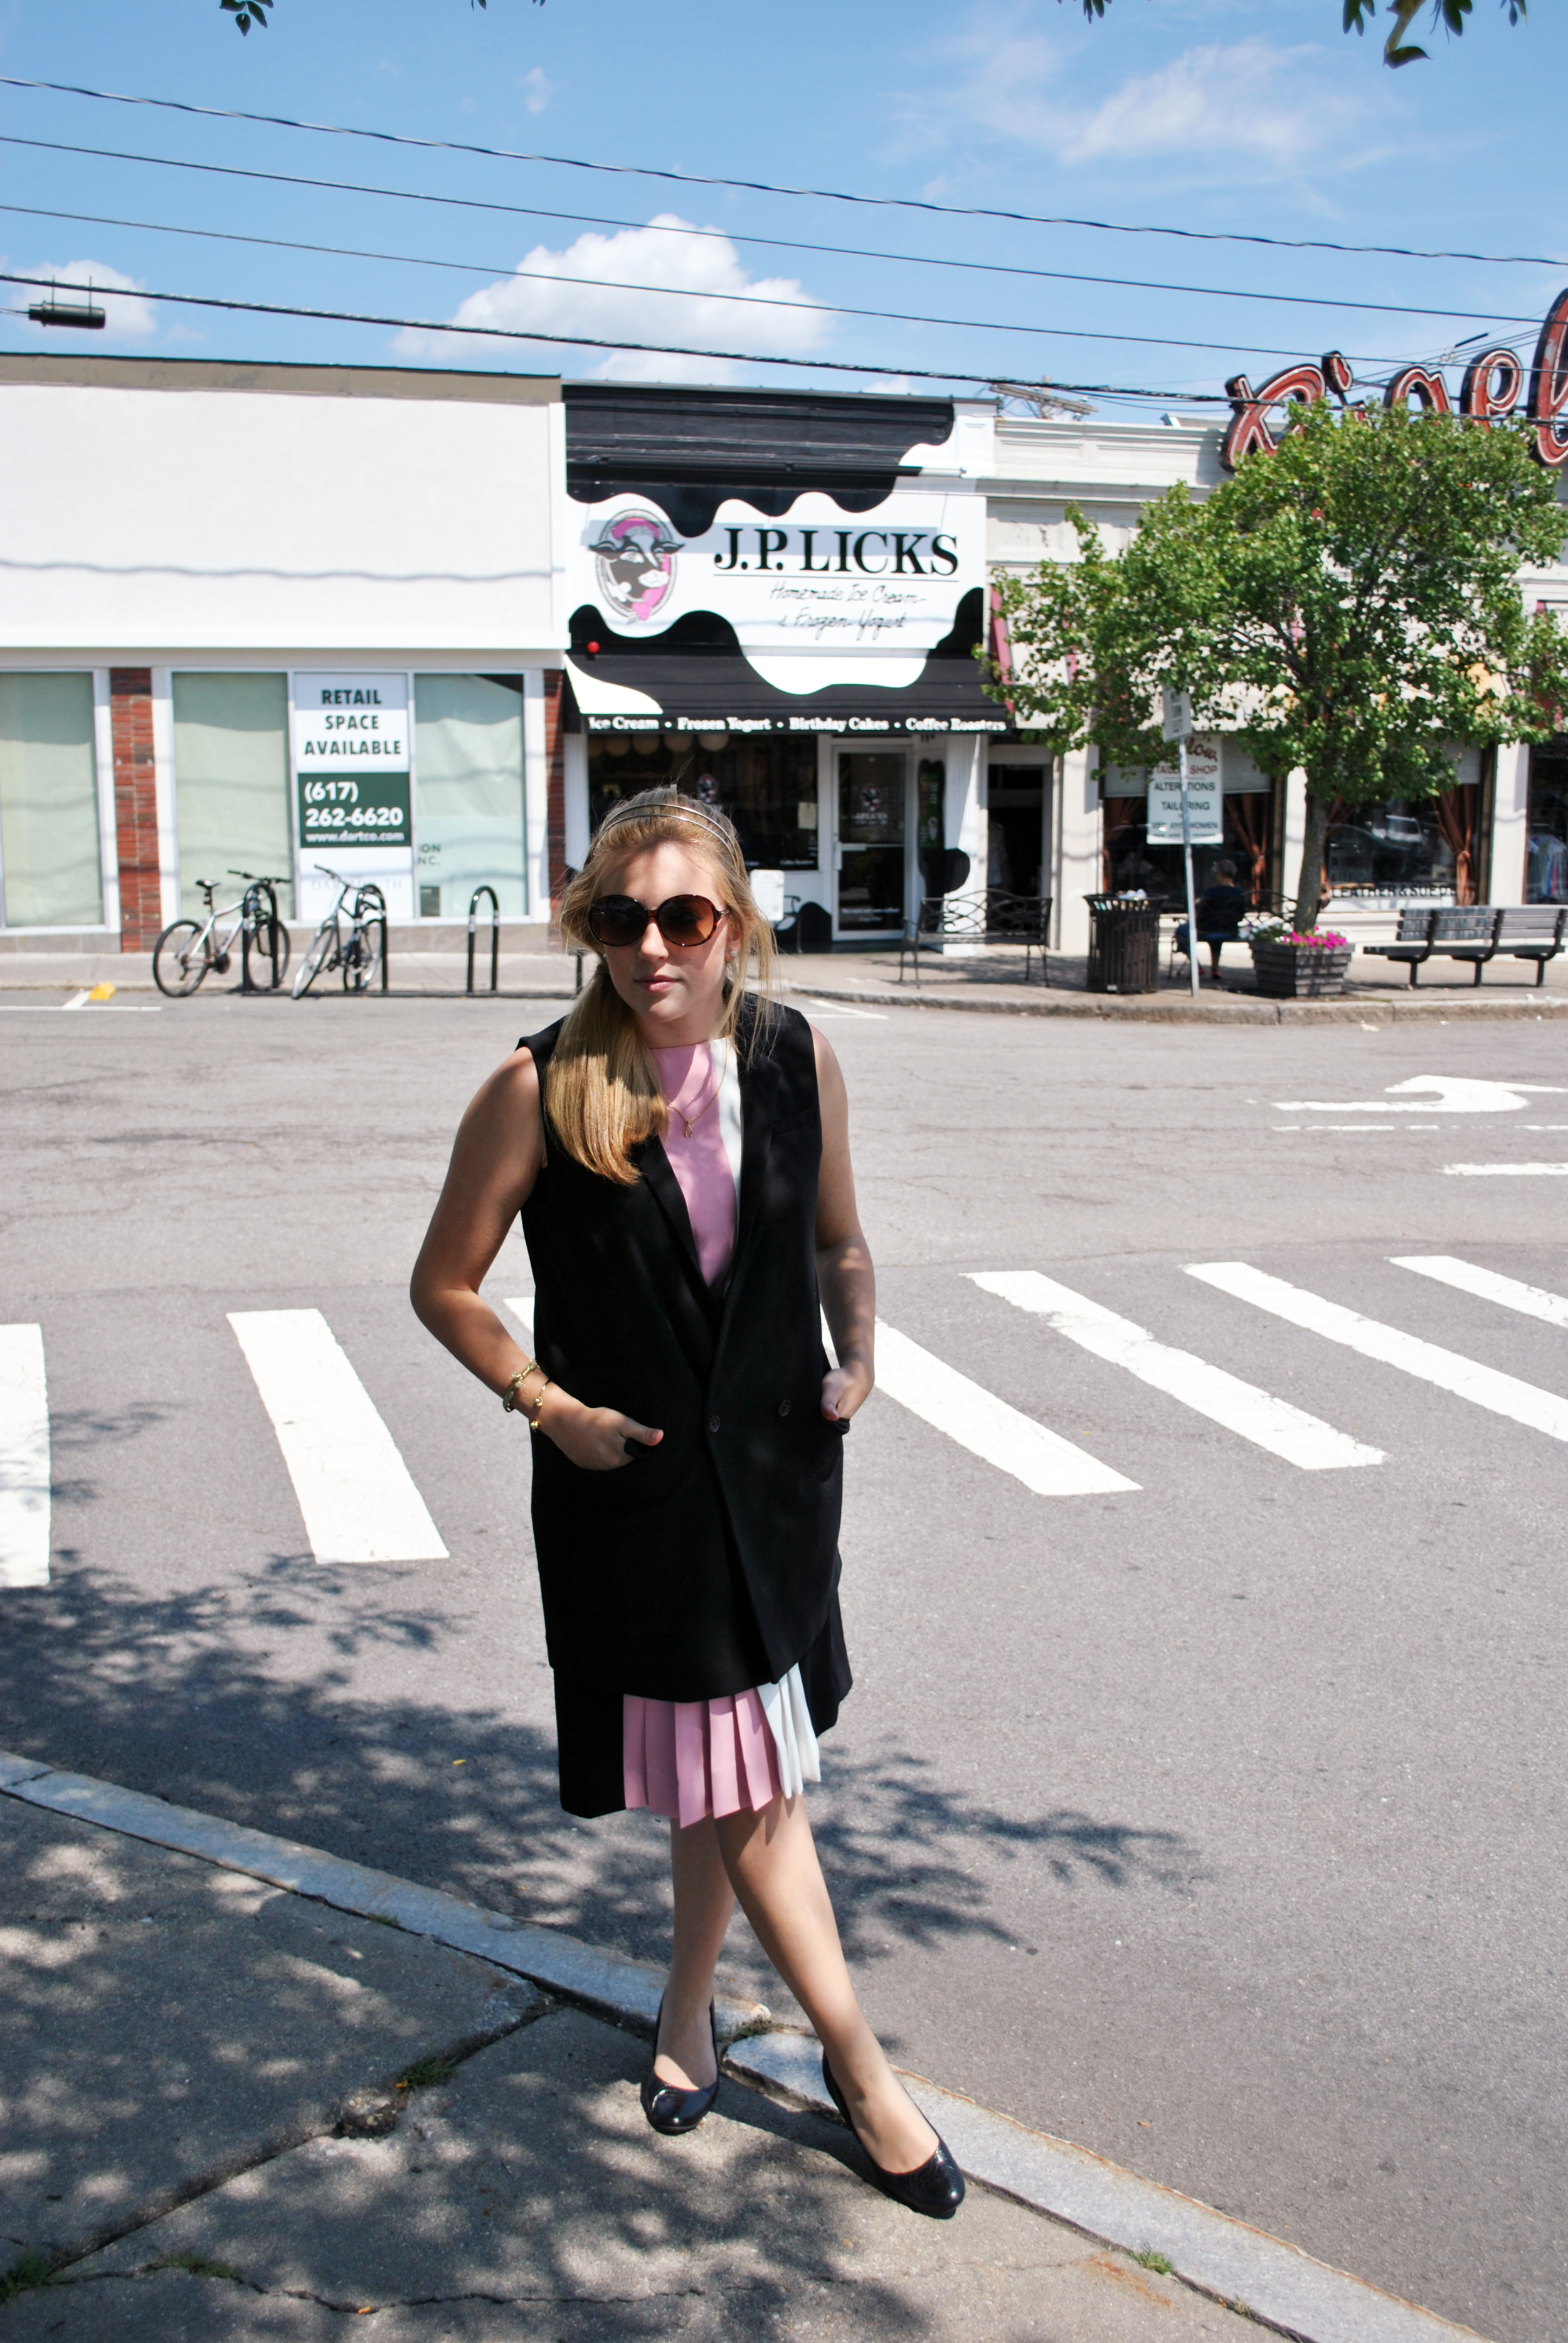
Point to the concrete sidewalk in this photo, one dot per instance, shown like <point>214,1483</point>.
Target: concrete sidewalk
<point>231,2112</point>
<point>991,981</point>
<point>250,2088</point>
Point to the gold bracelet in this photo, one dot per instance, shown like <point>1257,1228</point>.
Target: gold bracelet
<point>538,1407</point>
<point>510,1398</point>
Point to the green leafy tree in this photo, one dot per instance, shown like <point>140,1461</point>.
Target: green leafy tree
<point>1349,603</point>
<point>1397,50</point>
<point>246,13</point>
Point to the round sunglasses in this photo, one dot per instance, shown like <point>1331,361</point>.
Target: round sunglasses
<point>681,920</point>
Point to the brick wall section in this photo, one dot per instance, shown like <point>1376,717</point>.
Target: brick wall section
<point>136,806</point>
<point>554,794</point>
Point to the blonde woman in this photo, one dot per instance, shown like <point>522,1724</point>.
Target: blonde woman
<point>678,1151</point>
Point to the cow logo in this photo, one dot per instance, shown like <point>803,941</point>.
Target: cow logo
<point>635,558</point>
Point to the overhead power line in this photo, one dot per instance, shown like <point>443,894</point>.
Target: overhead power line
<point>806,307</point>
<point>716,234</point>
<point>599,342</point>
<point>766,188</point>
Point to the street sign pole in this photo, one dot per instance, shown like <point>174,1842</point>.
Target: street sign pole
<point>1187,859</point>
<point>1177,725</point>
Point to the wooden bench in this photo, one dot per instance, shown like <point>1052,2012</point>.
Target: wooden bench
<point>1476,934</point>
<point>988,915</point>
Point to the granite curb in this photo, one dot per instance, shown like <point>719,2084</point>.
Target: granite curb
<point>1381,1007</point>
<point>1228,2259</point>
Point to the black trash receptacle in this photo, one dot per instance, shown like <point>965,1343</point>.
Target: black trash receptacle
<point>1123,945</point>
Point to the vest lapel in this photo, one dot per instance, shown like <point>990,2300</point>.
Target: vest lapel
<point>665,1189</point>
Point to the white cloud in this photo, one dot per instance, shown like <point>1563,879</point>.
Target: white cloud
<point>122,316</point>
<point>1245,101</point>
<point>779,320</point>
<point>538,89</point>
<point>1246,98</point>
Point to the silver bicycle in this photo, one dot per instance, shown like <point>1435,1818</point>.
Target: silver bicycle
<point>352,937</point>
<point>188,948</point>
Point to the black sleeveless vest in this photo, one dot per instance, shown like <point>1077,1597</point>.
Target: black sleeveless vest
<point>644,1570</point>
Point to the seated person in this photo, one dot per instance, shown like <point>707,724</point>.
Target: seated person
<point>1221,908</point>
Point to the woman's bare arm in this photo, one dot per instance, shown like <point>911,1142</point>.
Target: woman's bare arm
<point>844,1273</point>
<point>497,1155</point>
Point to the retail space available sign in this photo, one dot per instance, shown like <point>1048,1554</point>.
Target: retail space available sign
<point>816,596</point>
<point>351,763</point>
<point>1204,798</point>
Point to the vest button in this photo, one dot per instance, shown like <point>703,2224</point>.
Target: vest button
<point>783,1407</point>
<point>713,1423</point>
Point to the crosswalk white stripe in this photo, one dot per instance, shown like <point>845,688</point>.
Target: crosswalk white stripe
<point>24,1458</point>
<point>1508,1171</point>
<point>1503,1395</point>
<point>1257,1415</point>
<point>355,1492</point>
<point>1489,1284</point>
<point>1016,1444</point>
<point>1042,1460</point>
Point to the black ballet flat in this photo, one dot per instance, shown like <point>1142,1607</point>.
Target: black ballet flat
<point>935,2188</point>
<point>668,2109</point>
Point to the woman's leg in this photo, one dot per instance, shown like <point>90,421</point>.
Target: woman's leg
<point>704,1901</point>
<point>772,1860</point>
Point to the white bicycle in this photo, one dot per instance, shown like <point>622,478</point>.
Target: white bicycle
<point>352,937</point>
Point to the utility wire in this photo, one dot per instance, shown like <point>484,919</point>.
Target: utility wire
<point>721,235</point>
<point>545,276</point>
<point>765,187</point>
<point>595,342</point>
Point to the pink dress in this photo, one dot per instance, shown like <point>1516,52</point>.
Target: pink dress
<point>688,1758</point>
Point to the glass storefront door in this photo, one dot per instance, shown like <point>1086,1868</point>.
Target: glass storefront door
<point>873,858</point>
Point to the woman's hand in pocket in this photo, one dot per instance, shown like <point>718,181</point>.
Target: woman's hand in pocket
<point>844,1390</point>
<point>595,1439</point>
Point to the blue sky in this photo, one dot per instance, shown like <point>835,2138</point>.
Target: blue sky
<point>1242,116</point>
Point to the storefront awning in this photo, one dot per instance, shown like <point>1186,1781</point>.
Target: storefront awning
<point>653,689</point>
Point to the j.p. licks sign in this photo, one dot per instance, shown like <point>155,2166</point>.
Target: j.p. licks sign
<point>1490,391</point>
<point>817,597</point>
<point>351,761</point>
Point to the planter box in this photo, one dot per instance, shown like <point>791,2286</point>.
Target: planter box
<point>1300,971</point>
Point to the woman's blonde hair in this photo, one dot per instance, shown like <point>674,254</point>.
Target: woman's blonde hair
<point>602,1089</point>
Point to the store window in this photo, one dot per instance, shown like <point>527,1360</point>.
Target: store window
<point>1131,861</point>
<point>1546,826</point>
<point>1404,847</point>
<point>50,862</point>
<point>767,786</point>
<point>231,783</point>
<point>468,805</point>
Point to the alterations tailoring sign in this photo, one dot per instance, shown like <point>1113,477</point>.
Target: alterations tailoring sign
<point>1205,806</point>
<point>351,762</point>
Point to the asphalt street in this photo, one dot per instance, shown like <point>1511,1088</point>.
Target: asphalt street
<point>1214,1821</point>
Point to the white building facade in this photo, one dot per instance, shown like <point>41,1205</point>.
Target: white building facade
<point>272,617</point>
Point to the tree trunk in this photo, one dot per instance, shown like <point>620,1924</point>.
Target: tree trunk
<point>1310,886</point>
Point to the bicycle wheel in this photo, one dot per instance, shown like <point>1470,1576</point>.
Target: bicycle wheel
<point>178,967</point>
<point>362,958</point>
<point>315,958</point>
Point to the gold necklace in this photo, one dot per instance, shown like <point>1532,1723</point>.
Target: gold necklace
<point>689,1127</point>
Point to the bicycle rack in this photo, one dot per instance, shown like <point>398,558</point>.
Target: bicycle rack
<point>494,936</point>
<point>260,903</point>
<point>367,890</point>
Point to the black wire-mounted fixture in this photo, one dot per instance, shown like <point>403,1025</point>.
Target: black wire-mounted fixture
<point>88,314</point>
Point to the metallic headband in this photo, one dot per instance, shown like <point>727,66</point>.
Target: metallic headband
<point>650,804</point>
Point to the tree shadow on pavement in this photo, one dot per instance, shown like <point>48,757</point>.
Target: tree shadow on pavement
<point>172,1695</point>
